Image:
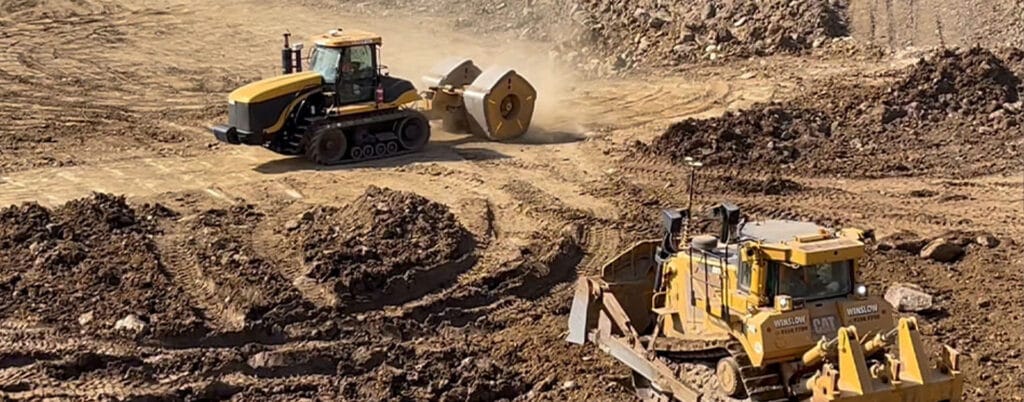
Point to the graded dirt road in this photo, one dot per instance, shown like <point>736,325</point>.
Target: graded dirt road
<point>116,97</point>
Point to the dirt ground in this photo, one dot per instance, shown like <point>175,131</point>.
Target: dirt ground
<point>143,259</point>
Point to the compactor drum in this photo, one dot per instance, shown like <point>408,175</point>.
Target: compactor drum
<point>774,306</point>
<point>347,108</point>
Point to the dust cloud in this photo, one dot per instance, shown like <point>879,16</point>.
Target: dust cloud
<point>412,48</point>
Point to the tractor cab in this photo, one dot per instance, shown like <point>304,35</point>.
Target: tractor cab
<point>348,61</point>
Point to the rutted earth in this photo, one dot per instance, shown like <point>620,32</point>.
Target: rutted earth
<point>198,270</point>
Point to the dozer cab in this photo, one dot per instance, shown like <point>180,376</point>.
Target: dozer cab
<point>775,306</point>
<point>347,108</point>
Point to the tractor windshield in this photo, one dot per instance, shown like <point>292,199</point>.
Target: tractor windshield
<point>325,61</point>
<point>812,282</point>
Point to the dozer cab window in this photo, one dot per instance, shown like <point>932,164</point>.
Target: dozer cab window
<point>813,282</point>
<point>358,79</point>
<point>743,276</point>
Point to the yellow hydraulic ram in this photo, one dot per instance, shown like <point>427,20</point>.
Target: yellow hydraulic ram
<point>906,378</point>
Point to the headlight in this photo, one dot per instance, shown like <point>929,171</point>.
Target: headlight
<point>783,303</point>
<point>861,290</point>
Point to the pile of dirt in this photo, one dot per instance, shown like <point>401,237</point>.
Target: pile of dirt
<point>963,103</point>
<point>766,135</point>
<point>658,33</point>
<point>379,241</point>
<point>88,263</point>
<point>608,36</point>
<point>971,83</point>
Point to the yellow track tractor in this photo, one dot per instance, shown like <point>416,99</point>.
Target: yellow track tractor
<point>347,108</point>
<point>775,306</point>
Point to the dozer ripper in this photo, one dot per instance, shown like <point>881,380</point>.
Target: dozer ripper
<point>775,306</point>
<point>347,108</point>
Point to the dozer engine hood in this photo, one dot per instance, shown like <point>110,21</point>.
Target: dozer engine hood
<point>262,106</point>
<point>780,335</point>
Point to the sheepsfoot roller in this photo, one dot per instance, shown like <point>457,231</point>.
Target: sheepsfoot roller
<point>775,306</point>
<point>347,108</point>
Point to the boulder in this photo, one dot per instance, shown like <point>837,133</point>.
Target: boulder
<point>130,323</point>
<point>903,241</point>
<point>907,297</point>
<point>86,318</point>
<point>942,250</point>
<point>987,240</point>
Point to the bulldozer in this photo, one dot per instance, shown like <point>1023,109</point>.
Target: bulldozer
<point>346,107</point>
<point>775,306</point>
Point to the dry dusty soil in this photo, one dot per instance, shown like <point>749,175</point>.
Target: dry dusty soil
<point>142,260</point>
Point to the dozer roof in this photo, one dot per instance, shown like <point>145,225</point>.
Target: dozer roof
<point>779,231</point>
<point>347,37</point>
<point>803,242</point>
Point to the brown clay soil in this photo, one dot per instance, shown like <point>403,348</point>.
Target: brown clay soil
<point>962,102</point>
<point>447,275</point>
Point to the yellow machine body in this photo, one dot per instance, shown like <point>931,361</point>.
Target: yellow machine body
<point>780,301</point>
<point>347,108</point>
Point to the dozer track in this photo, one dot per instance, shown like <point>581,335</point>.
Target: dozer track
<point>761,384</point>
<point>340,141</point>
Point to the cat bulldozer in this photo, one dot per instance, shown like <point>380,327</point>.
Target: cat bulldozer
<point>345,107</point>
<point>775,306</point>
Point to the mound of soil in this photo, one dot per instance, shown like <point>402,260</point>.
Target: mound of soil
<point>947,115</point>
<point>656,33</point>
<point>93,255</point>
<point>766,135</point>
<point>382,235</point>
<point>974,82</point>
<point>606,36</point>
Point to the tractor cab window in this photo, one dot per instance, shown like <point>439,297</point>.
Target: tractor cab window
<point>358,80</point>
<point>812,282</point>
<point>325,61</point>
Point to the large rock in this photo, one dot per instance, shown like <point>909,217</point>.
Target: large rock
<point>987,240</point>
<point>942,250</point>
<point>907,297</point>
<point>903,241</point>
<point>130,323</point>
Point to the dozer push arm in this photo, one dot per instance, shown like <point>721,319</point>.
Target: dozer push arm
<point>906,378</point>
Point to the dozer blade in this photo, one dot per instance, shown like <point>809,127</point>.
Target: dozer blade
<point>905,377</point>
<point>583,315</point>
<point>500,104</point>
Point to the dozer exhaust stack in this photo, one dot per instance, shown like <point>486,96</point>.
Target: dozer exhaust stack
<point>497,103</point>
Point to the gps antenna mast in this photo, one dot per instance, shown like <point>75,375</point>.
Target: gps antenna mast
<point>694,165</point>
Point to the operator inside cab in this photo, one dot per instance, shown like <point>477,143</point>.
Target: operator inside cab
<point>812,282</point>
<point>350,69</point>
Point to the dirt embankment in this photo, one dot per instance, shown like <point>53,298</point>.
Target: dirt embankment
<point>658,33</point>
<point>609,36</point>
<point>955,102</point>
<point>87,264</point>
